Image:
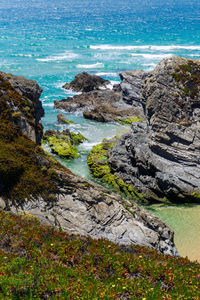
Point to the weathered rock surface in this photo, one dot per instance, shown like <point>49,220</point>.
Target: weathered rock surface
<point>85,82</point>
<point>85,208</point>
<point>131,86</point>
<point>62,119</point>
<point>100,105</point>
<point>160,157</point>
<point>27,116</point>
<point>32,181</point>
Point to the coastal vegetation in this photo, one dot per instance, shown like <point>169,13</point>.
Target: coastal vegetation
<point>40,262</point>
<point>26,171</point>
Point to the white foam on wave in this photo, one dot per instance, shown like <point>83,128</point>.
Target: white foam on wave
<point>149,47</point>
<point>71,92</point>
<point>68,56</point>
<point>111,47</point>
<point>107,74</point>
<point>48,104</point>
<point>109,85</point>
<point>152,56</point>
<point>97,65</point>
<point>174,47</point>
<point>23,55</point>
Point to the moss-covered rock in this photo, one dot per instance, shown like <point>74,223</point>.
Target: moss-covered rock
<point>61,119</point>
<point>64,143</point>
<point>24,166</point>
<point>129,120</point>
<point>98,163</point>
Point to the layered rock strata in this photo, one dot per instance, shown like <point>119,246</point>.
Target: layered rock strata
<point>160,157</point>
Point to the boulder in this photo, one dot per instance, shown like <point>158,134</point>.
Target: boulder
<point>62,119</point>
<point>160,157</point>
<point>85,82</point>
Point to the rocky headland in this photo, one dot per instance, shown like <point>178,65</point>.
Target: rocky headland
<point>159,158</point>
<point>99,103</point>
<point>32,181</point>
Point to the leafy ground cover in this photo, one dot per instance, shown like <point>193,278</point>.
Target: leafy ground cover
<point>39,262</point>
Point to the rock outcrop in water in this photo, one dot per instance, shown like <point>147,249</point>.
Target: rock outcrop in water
<point>103,105</point>
<point>160,157</point>
<point>85,82</point>
<point>32,181</point>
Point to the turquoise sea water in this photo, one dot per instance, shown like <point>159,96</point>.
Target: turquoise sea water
<point>51,41</point>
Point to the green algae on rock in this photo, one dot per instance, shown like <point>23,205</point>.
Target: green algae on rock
<point>98,163</point>
<point>129,120</point>
<point>64,143</point>
<point>61,119</point>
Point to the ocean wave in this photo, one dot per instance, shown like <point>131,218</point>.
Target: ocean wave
<point>48,104</point>
<point>149,47</point>
<point>97,65</point>
<point>110,47</point>
<point>64,56</point>
<point>23,55</point>
<point>107,74</point>
<point>152,56</point>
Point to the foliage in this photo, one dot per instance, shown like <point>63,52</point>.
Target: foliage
<point>22,172</point>
<point>40,262</point>
<point>188,75</point>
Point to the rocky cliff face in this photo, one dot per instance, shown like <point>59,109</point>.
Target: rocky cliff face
<point>160,157</point>
<point>32,181</point>
<point>22,97</point>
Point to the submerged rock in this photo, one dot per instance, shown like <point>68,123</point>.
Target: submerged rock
<point>160,157</point>
<point>61,119</point>
<point>32,181</point>
<point>85,82</point>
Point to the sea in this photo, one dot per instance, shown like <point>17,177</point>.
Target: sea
<point>51,41</point>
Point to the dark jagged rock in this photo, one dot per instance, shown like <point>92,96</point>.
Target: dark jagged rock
<point>27,115</point>
<point>161,156</point>
<point>131,85</point>
<point>32,181</point>
<point>85,82</point>
<point>103,106</point>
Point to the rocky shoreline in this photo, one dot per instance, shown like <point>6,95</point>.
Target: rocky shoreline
<point>159,158</point>
<point>54,194</point>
